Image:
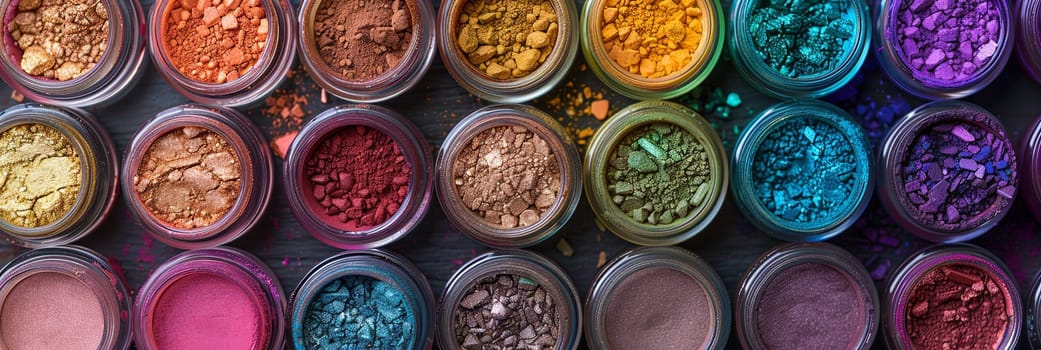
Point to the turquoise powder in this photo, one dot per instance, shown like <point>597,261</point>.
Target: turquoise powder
<point>358,312</point>
<point>802,38</point>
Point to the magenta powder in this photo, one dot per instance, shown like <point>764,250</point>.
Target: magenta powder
<point>659,308</point>
<point>810,306</point>
<point>206,311</point>
<point>51,310</point>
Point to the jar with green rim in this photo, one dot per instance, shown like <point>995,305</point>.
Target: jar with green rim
<point>648,49</point>
<point>656,173</point>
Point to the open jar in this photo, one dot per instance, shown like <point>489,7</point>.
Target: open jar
<point>1028,36</point>
<point>197,176</point>
<point>65,196</point>
<point>1030,165</point>
<point>656,173</point>
<point>94,65</point>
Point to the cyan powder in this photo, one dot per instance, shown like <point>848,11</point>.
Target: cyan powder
<point>800,38</point>
<point>945,42</point>
<point>359,312</point>
<point>804,171</point>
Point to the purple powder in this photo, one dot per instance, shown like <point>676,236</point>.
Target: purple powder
<point>811,306</point>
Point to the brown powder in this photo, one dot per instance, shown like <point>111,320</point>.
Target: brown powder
<point>508,176</point>
<point>39,175</point>
<point>507,39</point>
<point>215,41</point>
<point>361,39</point>
<point>60,39</point>
<point>189,178</point>
<point>958,307</point>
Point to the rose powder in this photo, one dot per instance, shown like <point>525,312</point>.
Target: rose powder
<point>50,310</point>
<point>658,308</point>
<point>214,41</point>
<point>810,306</point>
<point>206,311</point>
<point>957,306</point>
<point>361,40</point>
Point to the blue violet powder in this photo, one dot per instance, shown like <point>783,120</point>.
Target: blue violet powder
<point>359,312</point>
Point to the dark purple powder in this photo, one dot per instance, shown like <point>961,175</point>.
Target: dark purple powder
<point>810,306</point>
<point>946,42</point>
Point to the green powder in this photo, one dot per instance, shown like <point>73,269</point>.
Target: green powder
<point>658,174</point>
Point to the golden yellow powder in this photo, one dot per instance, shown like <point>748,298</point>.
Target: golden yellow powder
<point>39,175</point>
<point>507,39</point>
<point>651,38</point>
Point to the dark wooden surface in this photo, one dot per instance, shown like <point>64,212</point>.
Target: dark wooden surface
<point>729,244</point>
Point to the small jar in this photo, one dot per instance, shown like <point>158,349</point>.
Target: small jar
<point>784,144</point>
<point>97,175</point>
<point>551,68</point>
<point>397,279</point>
<point>509,269</point>
<point>321,216</point>
<point>798,78</point>
<point>463,144</point>
<point>940,80</point>
<point>116,72</point>
<point>930,161</point>
<point>657,297</point>
<point>395,80</point>
<point>277,56</point>
<point>63,297</point>
<point>188,301</point>
<point>1028,37</point>
<point>926,282</point>
<point>197,176</point>
<point>635,85</point>
<point>803,295</point>
<point>1032,319</point>
<point>1030,164</point>
<point>609,202</point>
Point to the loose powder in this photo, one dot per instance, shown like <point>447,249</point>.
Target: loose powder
<point>659,173</point>
<point>207,311</point>
<point>957,307</point>
<point>658,308</point>
<point>189,178</point>
<point>39,175</point>
<point>214,41</point>
<point>654,39</point>
<point>507,175</point>
<point>802,38</point>
<point>358,178</point>
<point>50,310</point>
<point>507,38</point>
<point>361,39</point>
<point>358,312</point>
<point>945,42</point>
<point>954,172</point>
<point>810,306</point>
<point>507,312</point>
<point>804,171</point>
<point>59,39</point>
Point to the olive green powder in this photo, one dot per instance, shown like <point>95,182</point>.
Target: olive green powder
<point>658,174</point>
<point>39,175</point>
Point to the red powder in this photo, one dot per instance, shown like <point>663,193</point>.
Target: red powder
<point>957,307</point>
<point>357,178</point>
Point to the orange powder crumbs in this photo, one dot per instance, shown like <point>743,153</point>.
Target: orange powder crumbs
<point>215,41</point>
<point>651,38</point>
<point>599,109</point>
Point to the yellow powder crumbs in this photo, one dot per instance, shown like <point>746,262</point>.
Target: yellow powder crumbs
<point>39,175</point>
<point>651,38</point>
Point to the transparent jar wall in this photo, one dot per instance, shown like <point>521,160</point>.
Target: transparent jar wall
<point>1028,36</point>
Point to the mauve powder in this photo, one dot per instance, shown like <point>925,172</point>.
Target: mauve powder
<point>50,310</point>
<point>658,308</point>
<point>810,306</point>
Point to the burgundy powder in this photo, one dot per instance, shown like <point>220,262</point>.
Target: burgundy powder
<point>357,178</point>
<point>810,306</point>
<point>957,306</point>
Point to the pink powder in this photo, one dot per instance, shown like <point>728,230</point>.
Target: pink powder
<point>205,311</point>
<point>49,310</point>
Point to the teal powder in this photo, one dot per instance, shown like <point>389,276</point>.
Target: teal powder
<point>802,38</point>
<point>359,312</point>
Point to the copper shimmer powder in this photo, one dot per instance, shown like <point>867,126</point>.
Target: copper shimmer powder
<point>658,308</point>
<point>810,306</point>
<point>50,310</point>
<point>957,306</point>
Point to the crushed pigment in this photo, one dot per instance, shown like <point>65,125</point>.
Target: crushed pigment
<point>59,39</point>
<point>359,312</point>
<point>39,175</point>
<point>507,312</point>
<point>956,306</point>
<point>507,39</point>
<point>945,42</point>
<point>360,39</point>
<point>654,39</point>
<point>803,38</point>
<point>214,41</point>
<point>189,178</point>
<point>659,174</point>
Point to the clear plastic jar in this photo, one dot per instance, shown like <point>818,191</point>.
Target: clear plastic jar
<point>746,152</point>
<point>766,270</point>
<point>381,265</point>
<point>515,90</point>
<point>608,137</point>
<point>896,303</point>
<point>255,174</point>
<point>524,264</point>
<point>1029,163</point>
<point>117,71</point>
<point>412,146</point>
<point>896,148</point>
<point>751,65</point>
<point>83,269</point>
<point>98,169</point>
<point>213,272</point>
<point>887,47</point>
<point>543,126</point>
<point>247,90</point>
<point>392,83</point>
<point>1032,318</point>
<point>1028,36</point>
<point>628,264</point>
<point>635,86</point>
